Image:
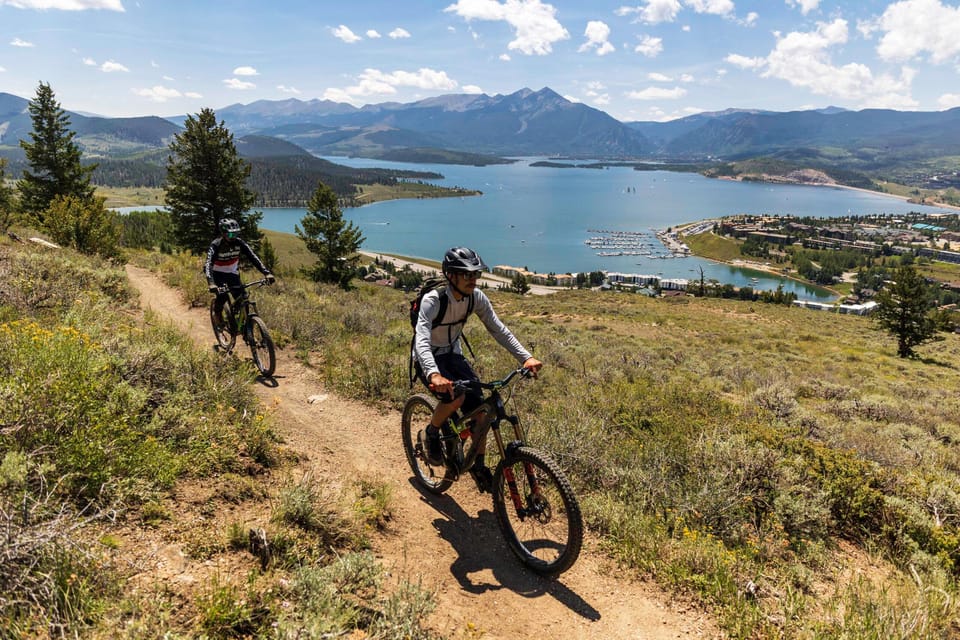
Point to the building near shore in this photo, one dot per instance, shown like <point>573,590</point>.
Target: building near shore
<point>532,277</point>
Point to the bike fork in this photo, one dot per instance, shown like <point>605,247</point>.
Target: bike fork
<point>522,512</point>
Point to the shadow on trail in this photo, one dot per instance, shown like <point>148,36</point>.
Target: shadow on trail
<point>480,547</point>
<point>270,382</point>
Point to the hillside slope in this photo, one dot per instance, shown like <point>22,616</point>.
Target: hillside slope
<point>450,544</point>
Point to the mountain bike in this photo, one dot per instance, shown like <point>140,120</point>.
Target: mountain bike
<point>535,505</point>
<point>244,321</point>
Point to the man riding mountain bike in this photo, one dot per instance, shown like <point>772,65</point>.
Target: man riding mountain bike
<point>222,267</point>
<point>439,357</point>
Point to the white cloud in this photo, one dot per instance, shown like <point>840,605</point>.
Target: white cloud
<point>505,57</point>
<point>803,60</point>
<point>158,93</point>
<point>744,62</point>
<point>17,42</point>
<point>653,11</point>
<point>686,77</point>
<point>90,62</point>
<point>65,5</point>
<point>343,32</point>
<point>398,33</point>
<point>596,85</point>
<point>373,34</point>
<point>535,25</point>
<point>649,46</point>
<point>657,11</point>
<point>238,84</point>
<point>376,82</point>
<point>286,89</point>
<point>657,93</point>
<point>572,98</point>
<point>915,27</point>
<point>168,78</point>
<point>245,71</point>
<point>806,6</point>
<point>751,19</point>
<point>658,77</point>
<point>713,7</point>
<point>602,100</point>
<point>2,69</point>
<point>949,100</point>
<point>112,67</point>
<point>471,88</point>
<point>598,35</point>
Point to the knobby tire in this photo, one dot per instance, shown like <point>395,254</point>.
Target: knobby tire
<point>416,415</point>
<point>261,346</point>
<point>547,541</point>
<point>224,336</point>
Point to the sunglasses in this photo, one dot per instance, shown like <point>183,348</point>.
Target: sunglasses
<point>470,275</point>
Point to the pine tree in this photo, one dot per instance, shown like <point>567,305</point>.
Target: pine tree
<point>904,310</point>
<point>206,181</point>
<point>333,240</point>
<point>53,156</point>
<point>6,198</point>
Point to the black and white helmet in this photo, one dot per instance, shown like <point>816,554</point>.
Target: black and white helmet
<point>462,259</point>
<point>230,227</point>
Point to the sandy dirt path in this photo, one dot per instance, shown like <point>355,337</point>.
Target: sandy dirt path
<point>450,544</point>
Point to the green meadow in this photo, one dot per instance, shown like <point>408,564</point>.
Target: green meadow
<point>782,467</point>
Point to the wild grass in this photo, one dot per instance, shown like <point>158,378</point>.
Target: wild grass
<point>740,452</point>
<point>727,448</point>
<point>102,418</point>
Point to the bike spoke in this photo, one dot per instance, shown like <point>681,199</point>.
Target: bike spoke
<point>539,514</point>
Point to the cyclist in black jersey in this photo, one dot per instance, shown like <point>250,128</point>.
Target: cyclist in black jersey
<point>222,267</point>
<point>439,357</point>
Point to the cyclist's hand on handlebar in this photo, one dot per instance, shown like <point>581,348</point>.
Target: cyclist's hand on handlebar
<point>439,384</point>
<point>271,278</point>
<point>532,365</point>
<point>213,288</point>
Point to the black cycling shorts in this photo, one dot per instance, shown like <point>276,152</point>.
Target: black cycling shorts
<point>453,367</point>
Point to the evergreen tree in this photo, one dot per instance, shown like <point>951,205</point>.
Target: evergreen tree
<point>85,224</point>
<point>904,310</point>
<point>6,198</point>
<point>333,240</point>
<point>519,284</point>
<point>53,156</point>
<point>206,181</point>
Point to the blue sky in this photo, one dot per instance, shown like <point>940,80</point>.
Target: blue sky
<point>639,60</point>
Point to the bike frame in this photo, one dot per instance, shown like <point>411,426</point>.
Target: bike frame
<point>494,404</point>
<point>248,307</point>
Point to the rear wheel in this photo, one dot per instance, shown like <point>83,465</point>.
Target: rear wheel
<point>416,416</point>
<point>261,346</point>
<point>545,530</point>
<point>221,325</point>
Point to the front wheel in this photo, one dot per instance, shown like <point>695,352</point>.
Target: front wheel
<point>261,346</point>
<point>542,523</point>
<point>416,416</point>
<point>221,325</point>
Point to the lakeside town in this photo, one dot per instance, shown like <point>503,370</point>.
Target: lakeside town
<point>935,237</point>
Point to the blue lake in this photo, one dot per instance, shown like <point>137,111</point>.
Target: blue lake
<point>540,218</point>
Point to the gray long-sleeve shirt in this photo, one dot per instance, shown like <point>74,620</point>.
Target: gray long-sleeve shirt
<point>445,338</point>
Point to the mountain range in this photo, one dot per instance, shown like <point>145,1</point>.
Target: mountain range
<point>478,128</point>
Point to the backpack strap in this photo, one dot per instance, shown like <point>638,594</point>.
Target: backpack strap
<point>414,366</point>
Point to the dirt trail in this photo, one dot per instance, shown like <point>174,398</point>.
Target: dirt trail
<point>451,543</point>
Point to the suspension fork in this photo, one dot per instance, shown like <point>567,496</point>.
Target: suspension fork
<point>506,451</point>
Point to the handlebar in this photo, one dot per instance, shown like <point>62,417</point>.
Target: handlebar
<point>262,282</point>
<point>463,385</point>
